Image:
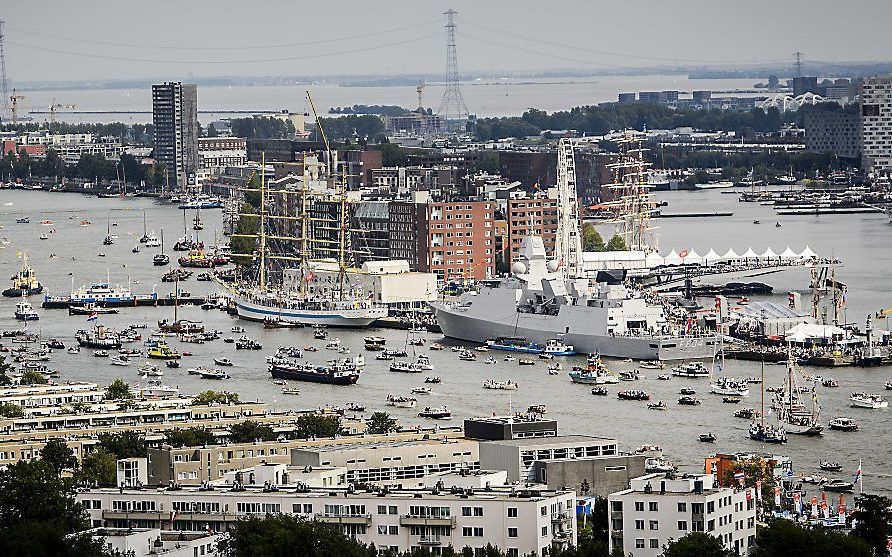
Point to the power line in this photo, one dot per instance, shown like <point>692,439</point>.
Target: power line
<point>534,52</point>
<point>256,61</point>
<point>612,53</point>
<point>225,47</point>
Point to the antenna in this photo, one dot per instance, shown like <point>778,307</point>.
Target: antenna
<point>798,56</point>
<point>4,85</point>
<point>453,106</point>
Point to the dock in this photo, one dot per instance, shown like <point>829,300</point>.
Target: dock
<point>695,215</point>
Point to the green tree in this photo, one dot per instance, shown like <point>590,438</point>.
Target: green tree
<point>784,538</point>
<point>118,390</point>
<point>39,514</point>
<point>700,544</point>
<point>872,517</point>
<point>616,244</point>
<point>31,377</point>
<point>392,154</point>
<point>58,454</point>
<point>98,468</point>
<point>284,535</point>
<point>591,239</point>
<point>10,410</point>
<point>317,425</point>
<point>126,444</point>
<point>754,470</point>
<point>214,397</point>
<point>249,431</point>
<point>189,437</point>
<point>381,422</point>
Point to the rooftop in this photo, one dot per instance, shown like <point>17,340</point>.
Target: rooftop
<point>557,441</point>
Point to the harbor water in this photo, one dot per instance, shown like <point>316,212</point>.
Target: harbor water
<point>862,242</point>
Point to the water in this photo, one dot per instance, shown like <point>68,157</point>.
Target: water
<point>862,241</point>
<point>491,97</point>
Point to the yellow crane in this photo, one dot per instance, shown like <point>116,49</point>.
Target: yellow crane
<point>57,106</point>
<point>14,107</point>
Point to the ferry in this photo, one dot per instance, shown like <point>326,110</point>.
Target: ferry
<point>101,293</point>
<point>201,202</point>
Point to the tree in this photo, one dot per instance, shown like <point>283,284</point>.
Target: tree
<point>31,377</point>
<point>616,244</point>
<point>189,437</point>
<point>58,454</point>
<point>755,470</point>
<point>591,239</point>
<point>118,390</point>
<point>212,130</point>
<point>700,544</point>
<point>250,431</point>
<point>98,468</point>
<point>283,535</point>
<point>317,425</point>
<point>126,444</point>
<point>10,410</point>
<point>784,538</point>
<point>39,514</point>
<point>392,154</point>
<point>213,397</point>
<point>872,517</point>
<point>381,422</point>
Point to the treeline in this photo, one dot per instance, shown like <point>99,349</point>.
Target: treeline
<point>89,168</point>
<point>262,127</point>
<point>377,109</point>
<point>366,128</point>
<point>137,134</point>
<point>599,120</point>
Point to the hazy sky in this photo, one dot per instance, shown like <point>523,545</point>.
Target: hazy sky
<point>96,39</point>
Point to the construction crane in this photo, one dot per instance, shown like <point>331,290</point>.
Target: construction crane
<point>56,106</point>
<point>14,106</point>
<point>419,89</point>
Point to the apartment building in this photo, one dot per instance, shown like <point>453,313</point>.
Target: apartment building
<point>518,455</point>
<point>217,153</point>
<point>520,522</point>
<point>175,117</point>
<point>532,216</point>
<point>456,240</point>
<point>391,463</point>
<point>836,132</point>
<point>876,123</point>
<point>659,507</point>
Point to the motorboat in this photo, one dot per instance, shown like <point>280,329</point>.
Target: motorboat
<point>526,362</point>
<point>708,438</point>
<point>599,391</point>
<point>633,395</point>
<point>745,413</point>
<point>687,391</point>
<point>841,423</point>
<point>659,405</point>
<point>830,466</point>
<point>659,466</point>
<point>218,374</point>
<point>225,362</point>
<point>155,389</point>
<point>435,346</point>
<point>433,380</point>
<point>767,433</point>
<point>536,409</point>
<point>507,385</point>
<point>24,311</point>
<point>867,400</point>
<point>290,391</point>
<point>354,407</point>
<point>664,377</point>
<point>173,364</point>
<point>688,401</point>
<point>731,400</point>
<point>651,364</point>
<point>100,354</point>
<point>691,369</point>
<point>441,413</point>
<point>838,486</point>
<point>830,383</point>
<point>401,401</point>
<point>421,391</point>
<point>119,360</point>
<point>629,376</point>
<point>149,370</point>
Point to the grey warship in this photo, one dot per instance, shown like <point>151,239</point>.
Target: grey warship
<point>538,302</point>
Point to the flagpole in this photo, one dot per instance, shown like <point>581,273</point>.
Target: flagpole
<point>860,479</point>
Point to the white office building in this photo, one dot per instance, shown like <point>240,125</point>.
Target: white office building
<point>876,123</point>
<point>658,508</point>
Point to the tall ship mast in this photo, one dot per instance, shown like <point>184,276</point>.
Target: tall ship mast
<point>632,202</point>
<point>296,224</point>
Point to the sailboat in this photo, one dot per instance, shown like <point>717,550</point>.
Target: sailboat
<point>760,431</point>
<point>145,236</point>
<point>335,303</point>
<point>108,236</point>
<point>196,221</point>
<point>161,258</point>
<point>24,283</point>
<point>797,417</point>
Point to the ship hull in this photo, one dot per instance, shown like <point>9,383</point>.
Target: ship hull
<point>353,318</point>
<point>311,377</point>
<point>466,326</point>
<point>19,292</point>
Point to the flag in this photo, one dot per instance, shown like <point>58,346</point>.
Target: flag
<point>93,316</point>
<point>777,496</point>
<point>857,477</point>
<point>797,502</point>
<point>739,476</point>
<point>311,276</point>
<point>749,495</point>
<point>814,507</point>
<point>759,490</point>
<point>173,516</point>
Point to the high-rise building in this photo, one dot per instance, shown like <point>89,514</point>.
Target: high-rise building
<point>175,116</point>
<point>876,123</point>
<point>833,131</point>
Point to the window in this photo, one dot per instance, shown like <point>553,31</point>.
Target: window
<point>478,531</point>
<point>393,530</point>
<point>639,525</point>
<point>308,508</point>
<point>653,506</point>
<point>512,512</point>
<point>478,511</point>
<point>710,507</point>
<point>682,525</point>
<point>513,552</point>
<point>543,511</point>
<point>616,506</point>
<point>682,507</point>
<point>639,506</point>
<point>654,543</point>
<point>467,531</point>
<point>391,509</point>
<point>545,530</point>
<point>382,509</point>
<point>639,543</point>
<point>512,532</point>
<point>654,525</point>
<point>466,511</point>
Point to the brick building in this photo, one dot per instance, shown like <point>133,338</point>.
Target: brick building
<point>532,216</point>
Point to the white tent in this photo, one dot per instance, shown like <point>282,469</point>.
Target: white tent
<point>693,258</point>
<point>769,254</point>
<point>750,254</point>
<point>730,254</point>
<point>673,258</point>
<point>810,332</point>
<point>807,253</point>
<point>789,254</point>
<point>654,259</point>
<point>711,257</point>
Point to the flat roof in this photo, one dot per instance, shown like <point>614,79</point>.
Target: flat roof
<point>385,444</point>
<point>556,441</point>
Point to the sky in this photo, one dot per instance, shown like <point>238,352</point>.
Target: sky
<point>57,40</point>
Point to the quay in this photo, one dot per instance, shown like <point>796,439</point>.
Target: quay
<point>695,215</point>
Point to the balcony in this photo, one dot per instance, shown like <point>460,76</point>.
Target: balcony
<point>345,518</point>
<point>165,516</point>
<point>418,520</point>
<point>429,541</point>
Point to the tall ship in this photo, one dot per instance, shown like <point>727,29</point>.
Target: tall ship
<point>24,282</point>
<point>286,245</point>
<point>547,298</point>
<point>798,416</point>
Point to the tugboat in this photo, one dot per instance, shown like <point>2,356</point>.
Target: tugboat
<point>25,312</point>
<point>24,283</point>
<point>841,423</point>
<point>99,337</point>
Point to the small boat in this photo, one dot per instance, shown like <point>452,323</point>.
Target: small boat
<point>510,359</point>
<point>421,391</point>
<point>731,400</point>
<point>290,391</point>
<point>218,374</point>
<point>664,377</point>
<point>384,357</point>
<point>599,391</point>
<point>526,362</point>
<point>651,364</point>
<point>629,376</point>
<point>841,423</point>
<point>839,486</point>
<point>74,350</point>
<point>441,413</point>
<point>120,361</point>
<point>830,466</point>
<point>354,407</point>
<point>687,392</point>
<point>536,409</point>
<point>507,385</point>
<point>691,370</point>
<point>554,369</point>
<point>225,362</point>
<point>745,413</point>
<point>889,385</point>
<point>135,249</point>
<point>23,220</point>
<point>401,401</point>
<point>830,383</point>
<point>149,370</point>
<point>490,360</point>
<point>237,329</point>
<point>659,405</point>
<point>633,395</point>
<point>24,311</point>
<point>757,221</point>
<point>173,364</point>
<point>101,354</point>
<point>467,356</point>
<point>688,401</point>
<point>777,225</point>
<point>434,379</point>
<point>767,433</point>
<point>867,400</point>
<point>754,380</point>
<point>435,346</point>
<point>44,236</point>
<point>708,438</point>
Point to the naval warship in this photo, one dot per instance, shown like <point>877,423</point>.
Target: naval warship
<point>540,301</point>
